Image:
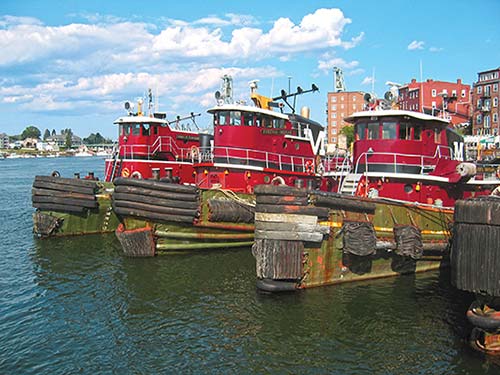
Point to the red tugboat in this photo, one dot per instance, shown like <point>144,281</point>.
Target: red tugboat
<point>256,145</point>
<point>408,156</point>
<point>387,212</point>
<point>150,146</point>
<point>251,145</point>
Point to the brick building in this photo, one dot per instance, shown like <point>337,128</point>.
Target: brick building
<point>485,106</point>
<point>340,105</point>
<point>443,99</point>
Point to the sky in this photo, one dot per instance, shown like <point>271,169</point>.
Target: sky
<point>73,64</point>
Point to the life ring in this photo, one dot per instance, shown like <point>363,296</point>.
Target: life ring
<point>309,167</point>
<point>137,175</point>
<point>125,172</point>
<point>195,152</point>
<point>278,179</point>
<point>483,317</point>
<point>55,174</point>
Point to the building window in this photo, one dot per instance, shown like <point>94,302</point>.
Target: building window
<point>495,117</point>
<point>454,93</point>
<point>495,87</point>
<point>463,93</point>
<point>334,107</point>
<point>334,115</point>
<point>487,121</point>
<point>354,106</point>
<point>342,115</point>
<point>353,98</point>
<point>479,89</point>
<point>479,119</point>
<point>487,90</point>
<point>445,91</point>
<point>341,106</point>
<point>342,98</point>
<point>334,131</point>
<point>334,99</point>
<point>433,105</point>
<point>495,102</point>
<point>334,123</point>
<point>433,93</point>
<point>334,139</point>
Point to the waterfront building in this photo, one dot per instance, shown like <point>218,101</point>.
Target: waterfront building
<point>60,140</point>
<point>485,98</point>
<point>450,100</point>
<point>4,141</point>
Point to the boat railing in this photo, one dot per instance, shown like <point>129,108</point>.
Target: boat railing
<point>161,145</point>
<point>245,156</point>
<point>339,161</point>
<point>424,163</point>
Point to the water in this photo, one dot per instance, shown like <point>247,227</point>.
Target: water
<point>75,305</point>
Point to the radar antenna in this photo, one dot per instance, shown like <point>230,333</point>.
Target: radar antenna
<point>338,79</point>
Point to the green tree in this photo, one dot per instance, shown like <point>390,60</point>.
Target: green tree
<point>46,134</point>
<point>53,132</point>
<point>69,136</point>
<point>31,132</point>
<point>95,139</point>
<point>348,131</point>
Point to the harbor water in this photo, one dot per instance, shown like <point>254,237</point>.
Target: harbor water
<point>76,305</point>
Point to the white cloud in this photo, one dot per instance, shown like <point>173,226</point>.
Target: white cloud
<point>328,62</point>
<point>368,81</point>
<point>416,45</point>
<point>435,49</point>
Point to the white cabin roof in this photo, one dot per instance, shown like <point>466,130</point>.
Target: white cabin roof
<point>140,119</point>
<point>396,113</point>
<point>247,108</point>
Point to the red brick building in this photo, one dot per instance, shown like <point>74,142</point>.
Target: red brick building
<point>340,105</point>
<point>485,107</point>
<point>443,99</point>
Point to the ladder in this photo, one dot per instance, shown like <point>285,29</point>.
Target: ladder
<point>350,183</point>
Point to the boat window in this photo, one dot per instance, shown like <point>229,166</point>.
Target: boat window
<point>236,118</point>
<point>437,135</point>
<point>417,133</point>
<point>247,119</point>
<point>136,129</point>
<point>155,130</point>
<point>279,123</point>
<point>373,130</point>
<point>267,122</point>
<point>126,129</point>
<point>405,131</point>
<point>389,130</point>
<point>145,129</point>
<point>221,118</point>
<point>360,131</point>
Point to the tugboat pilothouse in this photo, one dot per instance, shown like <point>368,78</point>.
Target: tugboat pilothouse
<point>255,145</point>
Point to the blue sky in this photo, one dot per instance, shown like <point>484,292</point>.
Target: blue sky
<point>72,64</point>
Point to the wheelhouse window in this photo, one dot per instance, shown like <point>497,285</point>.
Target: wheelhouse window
<point>136,129</point>
<point>389,129</point>
<point>437,135</point>
<point>145,129</point>
<point>361,131</point>
<point>373,130</point>
<point>405,131</point>
<point>228,118</point>
<point>125,129</point>
<point>417,132</point>
<point>248,118</point>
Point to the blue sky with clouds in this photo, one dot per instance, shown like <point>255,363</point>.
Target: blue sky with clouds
<point>73,63</point>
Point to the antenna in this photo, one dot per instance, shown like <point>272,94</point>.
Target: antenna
<point>284,96</point>
<point>338,80</point>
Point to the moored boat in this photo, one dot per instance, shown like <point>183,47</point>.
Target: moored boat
<point>386,212</point>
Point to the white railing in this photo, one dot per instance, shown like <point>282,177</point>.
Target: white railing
<point>161,144</point>
<point>400,159</point>
<point>251,157</point>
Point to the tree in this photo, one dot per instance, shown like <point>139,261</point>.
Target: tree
<point>53,132</point>
<point>31,132</point>
<point>46,134</point>
<point>95,139</point>
<point>348,131</point>
<point>69,136</point>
